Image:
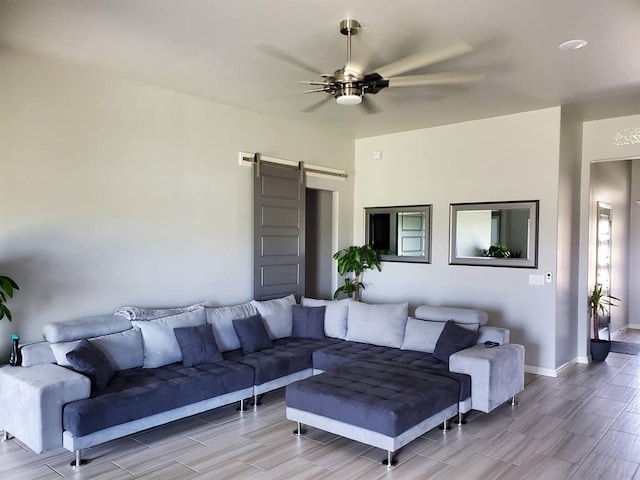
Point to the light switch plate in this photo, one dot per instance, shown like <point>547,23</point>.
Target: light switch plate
<point>536,280</point>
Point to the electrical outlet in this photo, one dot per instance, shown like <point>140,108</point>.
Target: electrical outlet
<point>377,155</point>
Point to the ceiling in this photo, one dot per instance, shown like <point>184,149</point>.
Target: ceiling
<point>211,49</point>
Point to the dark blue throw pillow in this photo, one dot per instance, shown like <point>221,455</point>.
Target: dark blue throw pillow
<point>89,360</point>
<point>308,322</point>
<point>453,339</point>
<point>197,345</point>
<point>252,334</point>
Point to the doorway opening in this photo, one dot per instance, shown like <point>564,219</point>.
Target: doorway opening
<point>319,243</point>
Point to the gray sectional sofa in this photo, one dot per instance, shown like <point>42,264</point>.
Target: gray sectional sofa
<point>157,371</point>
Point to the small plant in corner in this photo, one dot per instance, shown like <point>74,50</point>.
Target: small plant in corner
<point>599,303</point>
<point>356,260</point>
<point>7,288</point>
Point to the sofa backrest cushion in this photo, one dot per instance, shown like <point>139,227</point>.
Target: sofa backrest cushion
<point>122,349</point>
<point>85,327</point>
<point>159,343</point>
<point>277,315</point>
<point>221,318</point>
<point>422,335</point>
<point>335,315</point>
<point>382,324</point>
<point>458,315</point>
<point>89,360</point>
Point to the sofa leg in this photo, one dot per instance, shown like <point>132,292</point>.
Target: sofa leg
<point>257,400</point>
<point>5,436</point>
<point>390,461</point>
<point>445,426</point>
<point>462,419</point>
<point>79,461</point>
<point>514,401</point>
<point>243,405</point>
<point>300,430</point>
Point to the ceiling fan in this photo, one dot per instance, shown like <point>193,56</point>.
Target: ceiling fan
<point>349,85</point>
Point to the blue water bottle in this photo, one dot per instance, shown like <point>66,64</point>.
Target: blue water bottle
<point>16,357</point>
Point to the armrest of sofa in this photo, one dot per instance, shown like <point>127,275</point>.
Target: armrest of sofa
<point>497,374</point>
<point>31,401</point>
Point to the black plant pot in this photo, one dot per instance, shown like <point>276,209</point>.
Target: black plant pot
<point>600,349</point>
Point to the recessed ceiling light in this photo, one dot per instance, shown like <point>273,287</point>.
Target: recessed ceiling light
<point>575,44</point>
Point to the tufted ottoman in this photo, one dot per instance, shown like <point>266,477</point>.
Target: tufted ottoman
<point>385,406</point>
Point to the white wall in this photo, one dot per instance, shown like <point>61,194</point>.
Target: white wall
<point>567,276</point>
<point>514,157</point>
<point>634,249</point>
<point>115,192</point>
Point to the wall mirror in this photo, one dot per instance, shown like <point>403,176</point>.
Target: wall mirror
<point>404,233</point>
<point>497,234</point>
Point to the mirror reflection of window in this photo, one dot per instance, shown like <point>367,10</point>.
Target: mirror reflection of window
<point>411,233</point>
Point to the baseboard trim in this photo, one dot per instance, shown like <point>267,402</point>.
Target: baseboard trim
<point>632,325</point>
<point>551,372</point>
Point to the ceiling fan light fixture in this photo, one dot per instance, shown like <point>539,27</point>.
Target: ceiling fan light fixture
<point>575,44</point>
<point>349,95</point>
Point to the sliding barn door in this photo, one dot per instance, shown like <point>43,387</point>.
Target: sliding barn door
<point>279,229</point>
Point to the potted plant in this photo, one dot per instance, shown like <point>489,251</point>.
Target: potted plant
<point>599,303</point>
<point>7,287</point>
<point>356,260</point>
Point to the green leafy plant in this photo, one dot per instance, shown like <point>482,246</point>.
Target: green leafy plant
<point>499,250</point>
<point>7,288</point>
<point>599,304</point>
<point>356,260</point>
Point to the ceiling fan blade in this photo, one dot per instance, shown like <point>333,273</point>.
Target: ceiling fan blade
<point>279,54</point>
<point>423,59</point>
<point>452,78</point>
<point>369,106</point>
<point>314,106</point>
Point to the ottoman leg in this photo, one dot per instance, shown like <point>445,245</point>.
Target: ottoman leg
<point>514,401</point>
<point>300,430</point>
<point>462,419</point>
<point>389,461</point>
<point>78,461</point>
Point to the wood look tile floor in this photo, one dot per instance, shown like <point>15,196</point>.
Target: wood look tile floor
<point>582,425</point>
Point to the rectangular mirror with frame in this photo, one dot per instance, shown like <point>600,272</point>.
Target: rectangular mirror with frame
<point>404,233</point>
<point>497,234</point>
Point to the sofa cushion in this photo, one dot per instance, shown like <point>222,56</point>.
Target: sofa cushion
<point>335,316</point>
<point>123,349</point>
<point>87,359</point>
<point>308,322</point>
<point>252,334</point>
<point>137,393</point>
<point>453,339</point>
<point>197,345</point>
<point>277,315</point>
<point>221,319</point>
<point>159,342</point>
<point>84,328</point>
<point>422,335</point>
<point>388,399</point>
<point>287,356</point>
<point>382,324</point>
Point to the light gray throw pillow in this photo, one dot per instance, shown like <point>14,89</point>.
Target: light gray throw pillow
<point>277,315</point>
<point>123,349</point>
<point>221,320</point>
<point>159,343</point>
<point>335,315</point>
<point>382,324</point>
